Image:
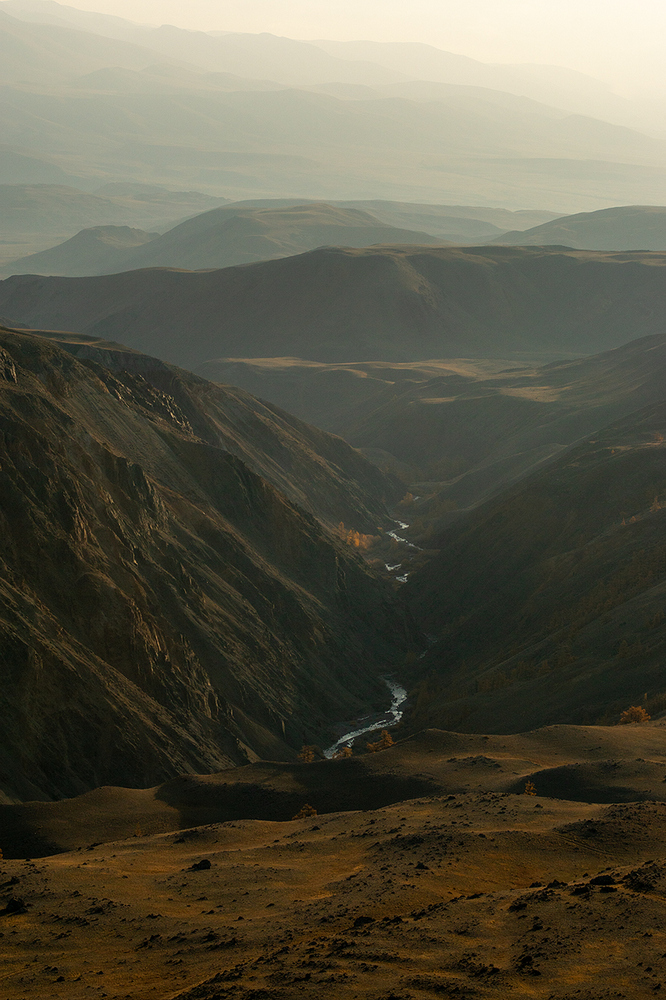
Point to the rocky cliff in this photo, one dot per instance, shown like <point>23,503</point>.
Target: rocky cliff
<point>164,608</point>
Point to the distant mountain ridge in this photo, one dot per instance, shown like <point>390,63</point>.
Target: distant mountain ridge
<point>360,62</point>
<point>219,238</point>
<point>97,97</point>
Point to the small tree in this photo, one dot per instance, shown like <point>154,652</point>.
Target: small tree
<point>307,754</point>
<point>530,788</point>
<point>305,812</point>
<point>383,743</point>
<point>634,714</point>
<point>342,753</point>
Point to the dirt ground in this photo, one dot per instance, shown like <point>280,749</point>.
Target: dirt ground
<point>467,894</point>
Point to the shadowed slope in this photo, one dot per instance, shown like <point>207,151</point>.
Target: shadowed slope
<point>547,600</point>
<point>165,609</point>
<point>398,304</point>
<point>575,763</point>
<point>459,428</point>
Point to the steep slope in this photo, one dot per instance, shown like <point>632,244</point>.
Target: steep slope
<point>634,227</point>
<point>316,470</point>
<point>547,601</point>
<point>220,238</point>
<point>335,304</point>
<point>164,609</point>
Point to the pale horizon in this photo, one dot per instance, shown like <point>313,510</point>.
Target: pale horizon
<point>615,41</point>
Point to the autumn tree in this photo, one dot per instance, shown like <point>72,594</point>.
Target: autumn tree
<point>634,714</point>
<point>307,754</point>
<point>530,788</point>
<point>383,743</point>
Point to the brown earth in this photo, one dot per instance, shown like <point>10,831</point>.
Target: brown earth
<point>474,892</point>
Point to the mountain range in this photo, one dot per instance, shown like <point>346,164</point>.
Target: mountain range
<point>633,227</point>
<point>219,238</point>
<point>90,97</point>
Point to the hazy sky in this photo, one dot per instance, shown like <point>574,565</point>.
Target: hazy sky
<point>619,40</point>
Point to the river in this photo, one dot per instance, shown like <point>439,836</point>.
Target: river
<point>391,717</point>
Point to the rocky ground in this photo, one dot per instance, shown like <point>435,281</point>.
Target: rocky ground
<point>460,894</point>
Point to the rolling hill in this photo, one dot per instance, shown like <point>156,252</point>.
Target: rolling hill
<point>634,227</point>
<point>91,251</point>
<point>36,216</point>
<point>166,609</point>
<point>336,304</point>
<point>219,238</point>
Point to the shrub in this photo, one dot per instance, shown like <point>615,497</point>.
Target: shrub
<point>634,714</point>
<point>305,812</point>
<point>530,788</point>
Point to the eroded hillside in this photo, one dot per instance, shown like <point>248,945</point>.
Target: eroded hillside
<point>165,609</point>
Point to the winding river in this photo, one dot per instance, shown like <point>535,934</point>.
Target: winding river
<point>391,717</point>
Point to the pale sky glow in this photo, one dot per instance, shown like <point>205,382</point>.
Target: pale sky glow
<point>621,41</point>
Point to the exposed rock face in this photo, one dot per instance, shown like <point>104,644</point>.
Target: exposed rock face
<point>316,470</point>
<point>163,608</point>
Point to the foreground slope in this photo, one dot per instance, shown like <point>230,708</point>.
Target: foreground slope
<point>563,762</point>
<point>224,237</point>
<point>335,304</point>
<point>547,600</point>
<point>478,892</point>
<point>165,609</point>
<point>634,227</point>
